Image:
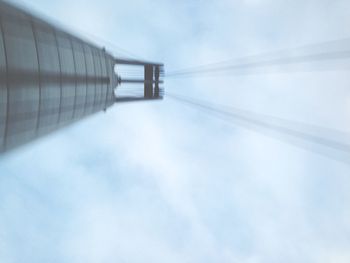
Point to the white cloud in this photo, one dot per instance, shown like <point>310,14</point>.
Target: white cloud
<point>163,182</point>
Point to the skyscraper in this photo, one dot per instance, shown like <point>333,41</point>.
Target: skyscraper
<point>50,78</point>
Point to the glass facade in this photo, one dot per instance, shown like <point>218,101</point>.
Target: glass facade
<point>3,89</point>
<point>48,78</point>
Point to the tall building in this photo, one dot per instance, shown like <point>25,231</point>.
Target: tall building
<point>50,78</point>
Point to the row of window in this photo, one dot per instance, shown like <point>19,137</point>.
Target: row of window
<point>48,78</point>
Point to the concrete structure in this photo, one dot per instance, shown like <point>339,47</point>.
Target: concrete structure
<point>49,78</point>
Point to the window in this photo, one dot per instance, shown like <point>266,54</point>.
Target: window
<point>104,76</point>
<point>50,88</point>
<point>23,104</point>
<point>3,93</point>
<point>110,71</point>
<point>91,81</point>
<point>67,78</point>
<point>80,68</point>
<point>98,70</point>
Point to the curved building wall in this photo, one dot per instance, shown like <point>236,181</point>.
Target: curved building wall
<point>48,78</point>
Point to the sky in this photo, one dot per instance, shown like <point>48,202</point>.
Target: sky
<point>164,182</point>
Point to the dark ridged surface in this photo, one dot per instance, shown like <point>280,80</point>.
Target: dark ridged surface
<point>48,78</point>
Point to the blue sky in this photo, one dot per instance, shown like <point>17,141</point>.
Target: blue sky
<point>162,182</point>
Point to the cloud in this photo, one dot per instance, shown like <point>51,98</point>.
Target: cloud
<point>155,182</point>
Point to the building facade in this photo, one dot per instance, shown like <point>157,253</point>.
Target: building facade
<point>48,78</point>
